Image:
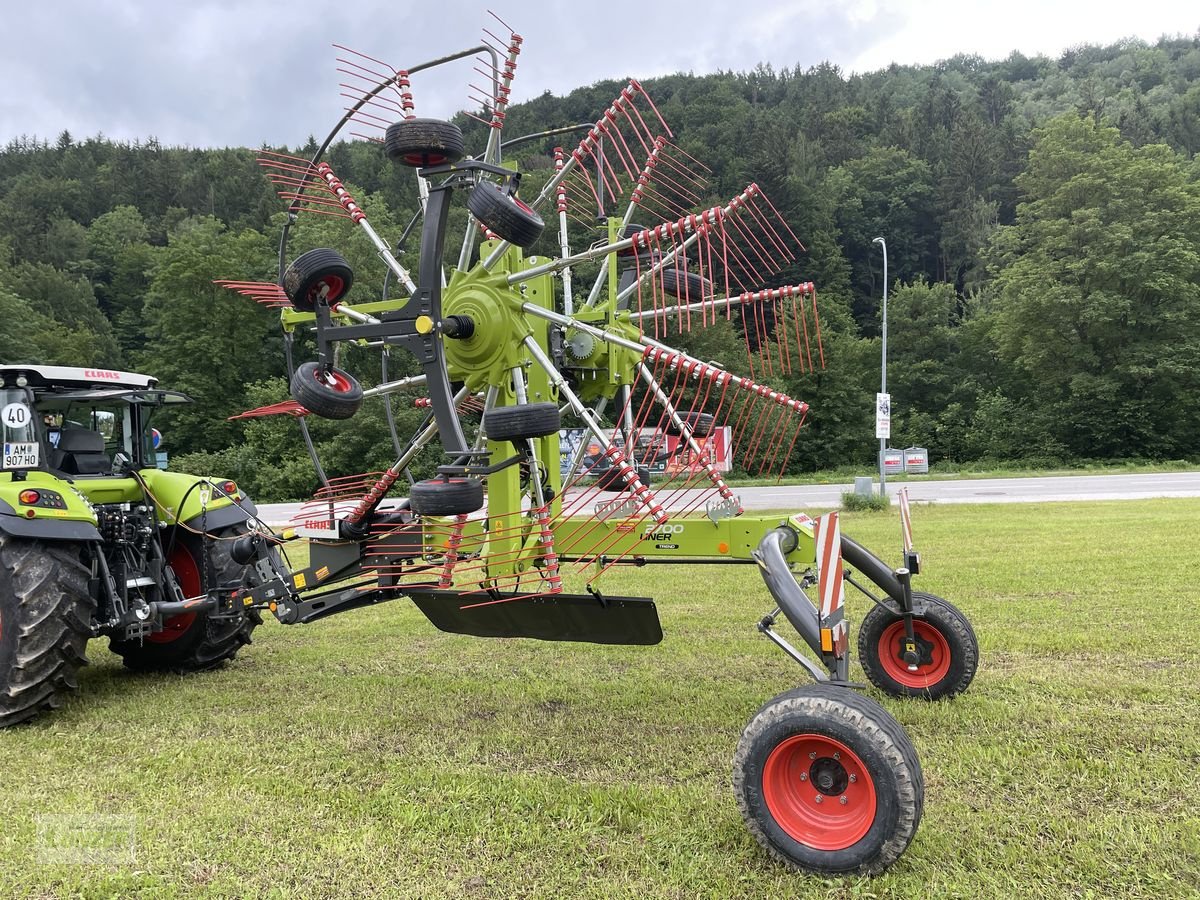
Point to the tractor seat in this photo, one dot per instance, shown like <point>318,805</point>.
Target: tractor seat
<point>81,452</point>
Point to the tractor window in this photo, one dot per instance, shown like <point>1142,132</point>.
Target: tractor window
<point>112,421</point>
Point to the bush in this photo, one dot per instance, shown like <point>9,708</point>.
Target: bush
<point>853,502</point>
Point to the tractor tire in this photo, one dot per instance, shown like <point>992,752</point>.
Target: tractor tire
<point>700,423</point>
<point>424,142</point>
<point>45,623</point>
<point>195,642</point>
<point>505,215</point>
<point>441,497</point>
<point>519,423</point>
<point>318,276</point>
<point>611,480</point>
<point>687,286</point>
<point>332,395</point>
<point>946,643</point>
<point>828,782</point>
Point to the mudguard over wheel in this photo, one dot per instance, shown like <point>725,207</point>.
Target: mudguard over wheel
<point>331,394</point>
<point>45,623</point>
<point>194,642</point>
<point>424,142</point>
<point>828,781</point>
<point>318,276</point>
<point>505,215</point>
<point>946,644</point>
<point>518,423</point>
<point>446,497</point>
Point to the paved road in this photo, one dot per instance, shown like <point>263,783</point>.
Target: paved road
<point>975,490</point>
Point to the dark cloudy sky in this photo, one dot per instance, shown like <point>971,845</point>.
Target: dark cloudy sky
<point>243,72</point>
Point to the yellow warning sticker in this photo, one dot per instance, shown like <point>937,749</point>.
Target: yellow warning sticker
<point>322,573</point>
<point>299,580</point>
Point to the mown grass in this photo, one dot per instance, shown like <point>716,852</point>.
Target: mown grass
<point>369,755</point>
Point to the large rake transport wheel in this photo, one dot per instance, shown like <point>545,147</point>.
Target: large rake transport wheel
<point>446,496</point>
<point>327,391</point>
<point>45,616</point>
<point>424,142</point>
<point>828,782</point>
<point>195,642</point>
<point>946,645</point>
<point>320,276</point>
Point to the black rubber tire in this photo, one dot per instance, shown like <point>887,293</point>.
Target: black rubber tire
<point>824,716</point>
<point>685,285</point>
<point>424,142</point>
<point>948,662</point>
<point>196,642</point>
<point>701,424</point>
<point>611,480</point>
<point>519,423</point>
<point>332,395</point>
<point>318,276</point>
<point>45,623</point>
<point>439,497</point>
<point>505,215</point>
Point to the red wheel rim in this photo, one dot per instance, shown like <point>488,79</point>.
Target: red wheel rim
<point>806,767</point>
<point>424,159</point>
<point>187,573</point>
<point>335,380</point>
<point>891,655</point>
<point>333,284</point>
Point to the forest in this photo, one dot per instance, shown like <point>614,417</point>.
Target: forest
<point>1042,218</point>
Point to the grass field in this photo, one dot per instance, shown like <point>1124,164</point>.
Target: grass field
<point>369,755</point>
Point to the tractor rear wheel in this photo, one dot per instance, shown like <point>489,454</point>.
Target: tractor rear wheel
<point>194,642</point>
<point>45,623</point>
<point>828,781</point>
<point>946,645</point>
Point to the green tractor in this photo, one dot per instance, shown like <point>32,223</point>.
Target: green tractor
<point>96,540</point>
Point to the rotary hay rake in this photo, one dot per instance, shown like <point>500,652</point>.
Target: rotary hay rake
<point>510,347</point>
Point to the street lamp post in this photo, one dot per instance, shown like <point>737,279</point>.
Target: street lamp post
<point>883,370</point>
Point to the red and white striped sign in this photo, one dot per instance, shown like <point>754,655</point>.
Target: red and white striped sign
<point>827,533</point>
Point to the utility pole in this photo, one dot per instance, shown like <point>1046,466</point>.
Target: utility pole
<point>883,398</point>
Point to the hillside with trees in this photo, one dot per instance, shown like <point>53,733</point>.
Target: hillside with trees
<point>1042,218</point>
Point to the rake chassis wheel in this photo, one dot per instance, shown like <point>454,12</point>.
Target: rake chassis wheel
<point>828,782</point>
<point>518,423</point>
<point>446,496</point>
<point>504,214</point>
<point>946,645</point>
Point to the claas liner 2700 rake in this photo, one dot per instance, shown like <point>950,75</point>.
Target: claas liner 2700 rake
<point>512,347</point>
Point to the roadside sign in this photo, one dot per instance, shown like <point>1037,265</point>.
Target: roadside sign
<point>883,415</point>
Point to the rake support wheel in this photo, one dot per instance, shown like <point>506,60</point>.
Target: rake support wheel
<point>828,782</point>
<point>331,394</point>
<point>318,276</point>
<point>701,424</point>
<point>505,215</point>
<point>424,142</point>
<point>446,497</point>
<point>519,423</point>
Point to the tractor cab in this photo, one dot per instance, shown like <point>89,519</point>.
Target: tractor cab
<point>79,422</point>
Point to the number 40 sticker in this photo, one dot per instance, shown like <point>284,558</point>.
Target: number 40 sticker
<point>16,415</point>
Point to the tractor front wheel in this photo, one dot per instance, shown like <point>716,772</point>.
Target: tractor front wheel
<point>828,781</point>
<point>45,623</point>
<point>194,642</point>
<point>947,650</point>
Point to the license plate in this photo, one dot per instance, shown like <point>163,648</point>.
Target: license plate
<point>20,456</point>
